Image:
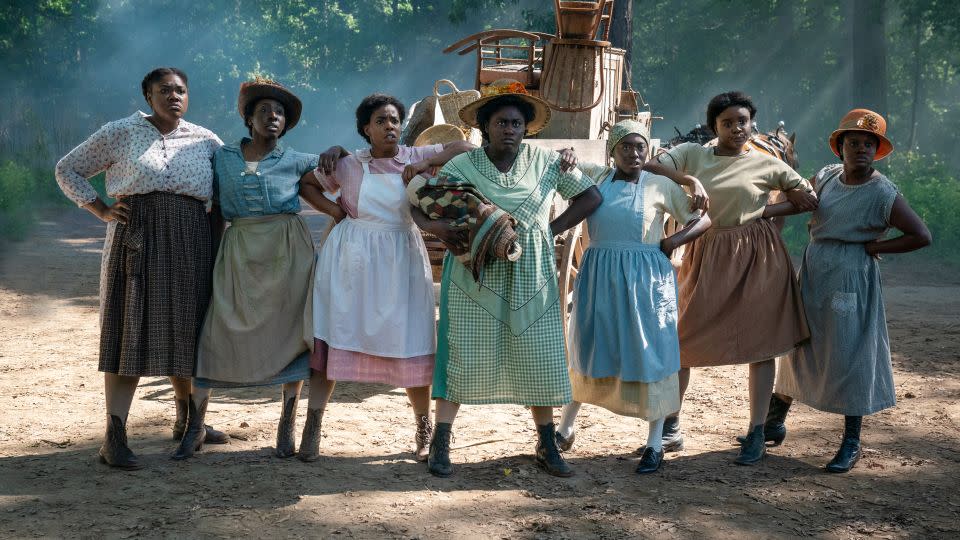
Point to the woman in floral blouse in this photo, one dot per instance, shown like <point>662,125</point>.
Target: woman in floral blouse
<point>156,267</point>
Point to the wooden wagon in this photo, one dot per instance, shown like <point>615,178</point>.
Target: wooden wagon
<point>584,106</point>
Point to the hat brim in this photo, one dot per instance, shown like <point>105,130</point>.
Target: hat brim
<point>883,150</point>
<point>541,111</point>
<point>292,107</point>
<point>440,134</point>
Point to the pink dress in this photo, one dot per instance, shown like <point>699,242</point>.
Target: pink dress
<point>373,295</point>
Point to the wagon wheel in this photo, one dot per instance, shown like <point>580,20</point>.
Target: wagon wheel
<point>570,247</point>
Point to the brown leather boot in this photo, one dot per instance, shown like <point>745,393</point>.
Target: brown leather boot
<point>285,428</point>
<point>310,443</point>
<point>424,432</point>
<point>195,434</point>
<point>115,451</point>
<point>180,425</point>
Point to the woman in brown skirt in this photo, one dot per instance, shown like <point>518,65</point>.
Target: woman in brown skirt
<point>156,268</point>
<point>739,302</point>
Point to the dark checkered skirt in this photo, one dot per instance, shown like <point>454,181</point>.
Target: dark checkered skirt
<point>157,284</point>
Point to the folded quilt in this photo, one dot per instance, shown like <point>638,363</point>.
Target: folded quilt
<point>484,230</point>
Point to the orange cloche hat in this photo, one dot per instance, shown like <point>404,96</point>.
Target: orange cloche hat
<point>866,121</point>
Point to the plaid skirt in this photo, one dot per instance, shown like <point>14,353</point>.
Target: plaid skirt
<point>156,284</point>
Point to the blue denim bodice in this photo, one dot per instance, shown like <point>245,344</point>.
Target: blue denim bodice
<point>273,189</point>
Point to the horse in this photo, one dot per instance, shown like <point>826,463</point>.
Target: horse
<point>775,143</point>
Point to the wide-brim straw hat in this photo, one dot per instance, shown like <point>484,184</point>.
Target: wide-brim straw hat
<point>440,134</point>
<point>261,88</point>
<point>508,87</point>
<point>866,121</point>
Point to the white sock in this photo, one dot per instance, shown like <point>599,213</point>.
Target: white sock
<point>569,415</point>
<point>655,435</point>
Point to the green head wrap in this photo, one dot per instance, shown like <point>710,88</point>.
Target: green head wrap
<point>622,129</point>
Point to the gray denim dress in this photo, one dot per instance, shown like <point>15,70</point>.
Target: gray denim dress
<point>845,367</point>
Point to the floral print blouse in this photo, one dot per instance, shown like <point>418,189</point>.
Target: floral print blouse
<point>139,159</point>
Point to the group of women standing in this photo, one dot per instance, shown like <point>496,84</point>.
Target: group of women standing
<point>255,305</point>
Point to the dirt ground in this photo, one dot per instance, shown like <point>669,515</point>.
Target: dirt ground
<point>368,485</point>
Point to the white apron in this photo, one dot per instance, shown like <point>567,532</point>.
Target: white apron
<point>373,288</point>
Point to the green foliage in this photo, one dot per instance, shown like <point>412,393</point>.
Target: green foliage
<point>934,194</point>
<point>15,184</point>
<point>23,191</point>
<point>795,233</point>
<point>928,186</point>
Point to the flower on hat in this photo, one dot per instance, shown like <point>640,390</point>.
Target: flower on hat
<point>507,87</point>
<point>260,79</point>
<point>498,88</point>
<point>869,121</point>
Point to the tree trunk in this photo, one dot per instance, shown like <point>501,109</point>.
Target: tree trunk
<point>917,80</point>
<point>869,46</point>
<point>621,33</point>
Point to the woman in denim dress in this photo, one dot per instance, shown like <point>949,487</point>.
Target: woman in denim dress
<point>258,329</point>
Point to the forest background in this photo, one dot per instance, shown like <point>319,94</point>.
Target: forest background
<point>72,66</point>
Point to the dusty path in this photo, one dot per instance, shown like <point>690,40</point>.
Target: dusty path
<point>368,485</point>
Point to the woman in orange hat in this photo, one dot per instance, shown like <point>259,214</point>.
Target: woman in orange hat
<point>845,367</point>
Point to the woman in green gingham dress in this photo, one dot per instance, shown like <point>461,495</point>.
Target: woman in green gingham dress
<point>500,340</point>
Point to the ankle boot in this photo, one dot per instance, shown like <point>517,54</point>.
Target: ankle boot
<point>753,448</point>
<point>548,454</point>
<point>180,425</point>
<point>774,429</point>
<point>310,440</point>
<point>849,453</point>
<point>672,436</point>
<point>196,433</point>
<point>422,439</point>
<point>286,427</point>
<point>438,460</point>
<point>650,462</point>
<point>115,451</point>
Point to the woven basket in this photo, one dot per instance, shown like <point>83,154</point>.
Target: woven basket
<point>440,134</point>
<point>451,103</point>
<point>573,78</point>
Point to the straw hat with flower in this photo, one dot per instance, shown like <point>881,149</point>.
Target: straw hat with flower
<point>508,87</point>
<point>865,121</point>
<point>261,88</point>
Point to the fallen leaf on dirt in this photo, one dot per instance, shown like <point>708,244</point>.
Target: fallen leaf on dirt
<point>60,444</point>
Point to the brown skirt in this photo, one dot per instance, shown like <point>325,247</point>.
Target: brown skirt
<point>157,283</point>
<point>739,300</point>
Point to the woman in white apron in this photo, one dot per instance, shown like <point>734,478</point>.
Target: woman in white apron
<point>373,296</point>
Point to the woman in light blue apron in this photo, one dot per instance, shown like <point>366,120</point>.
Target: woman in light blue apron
<point>623,344</point>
